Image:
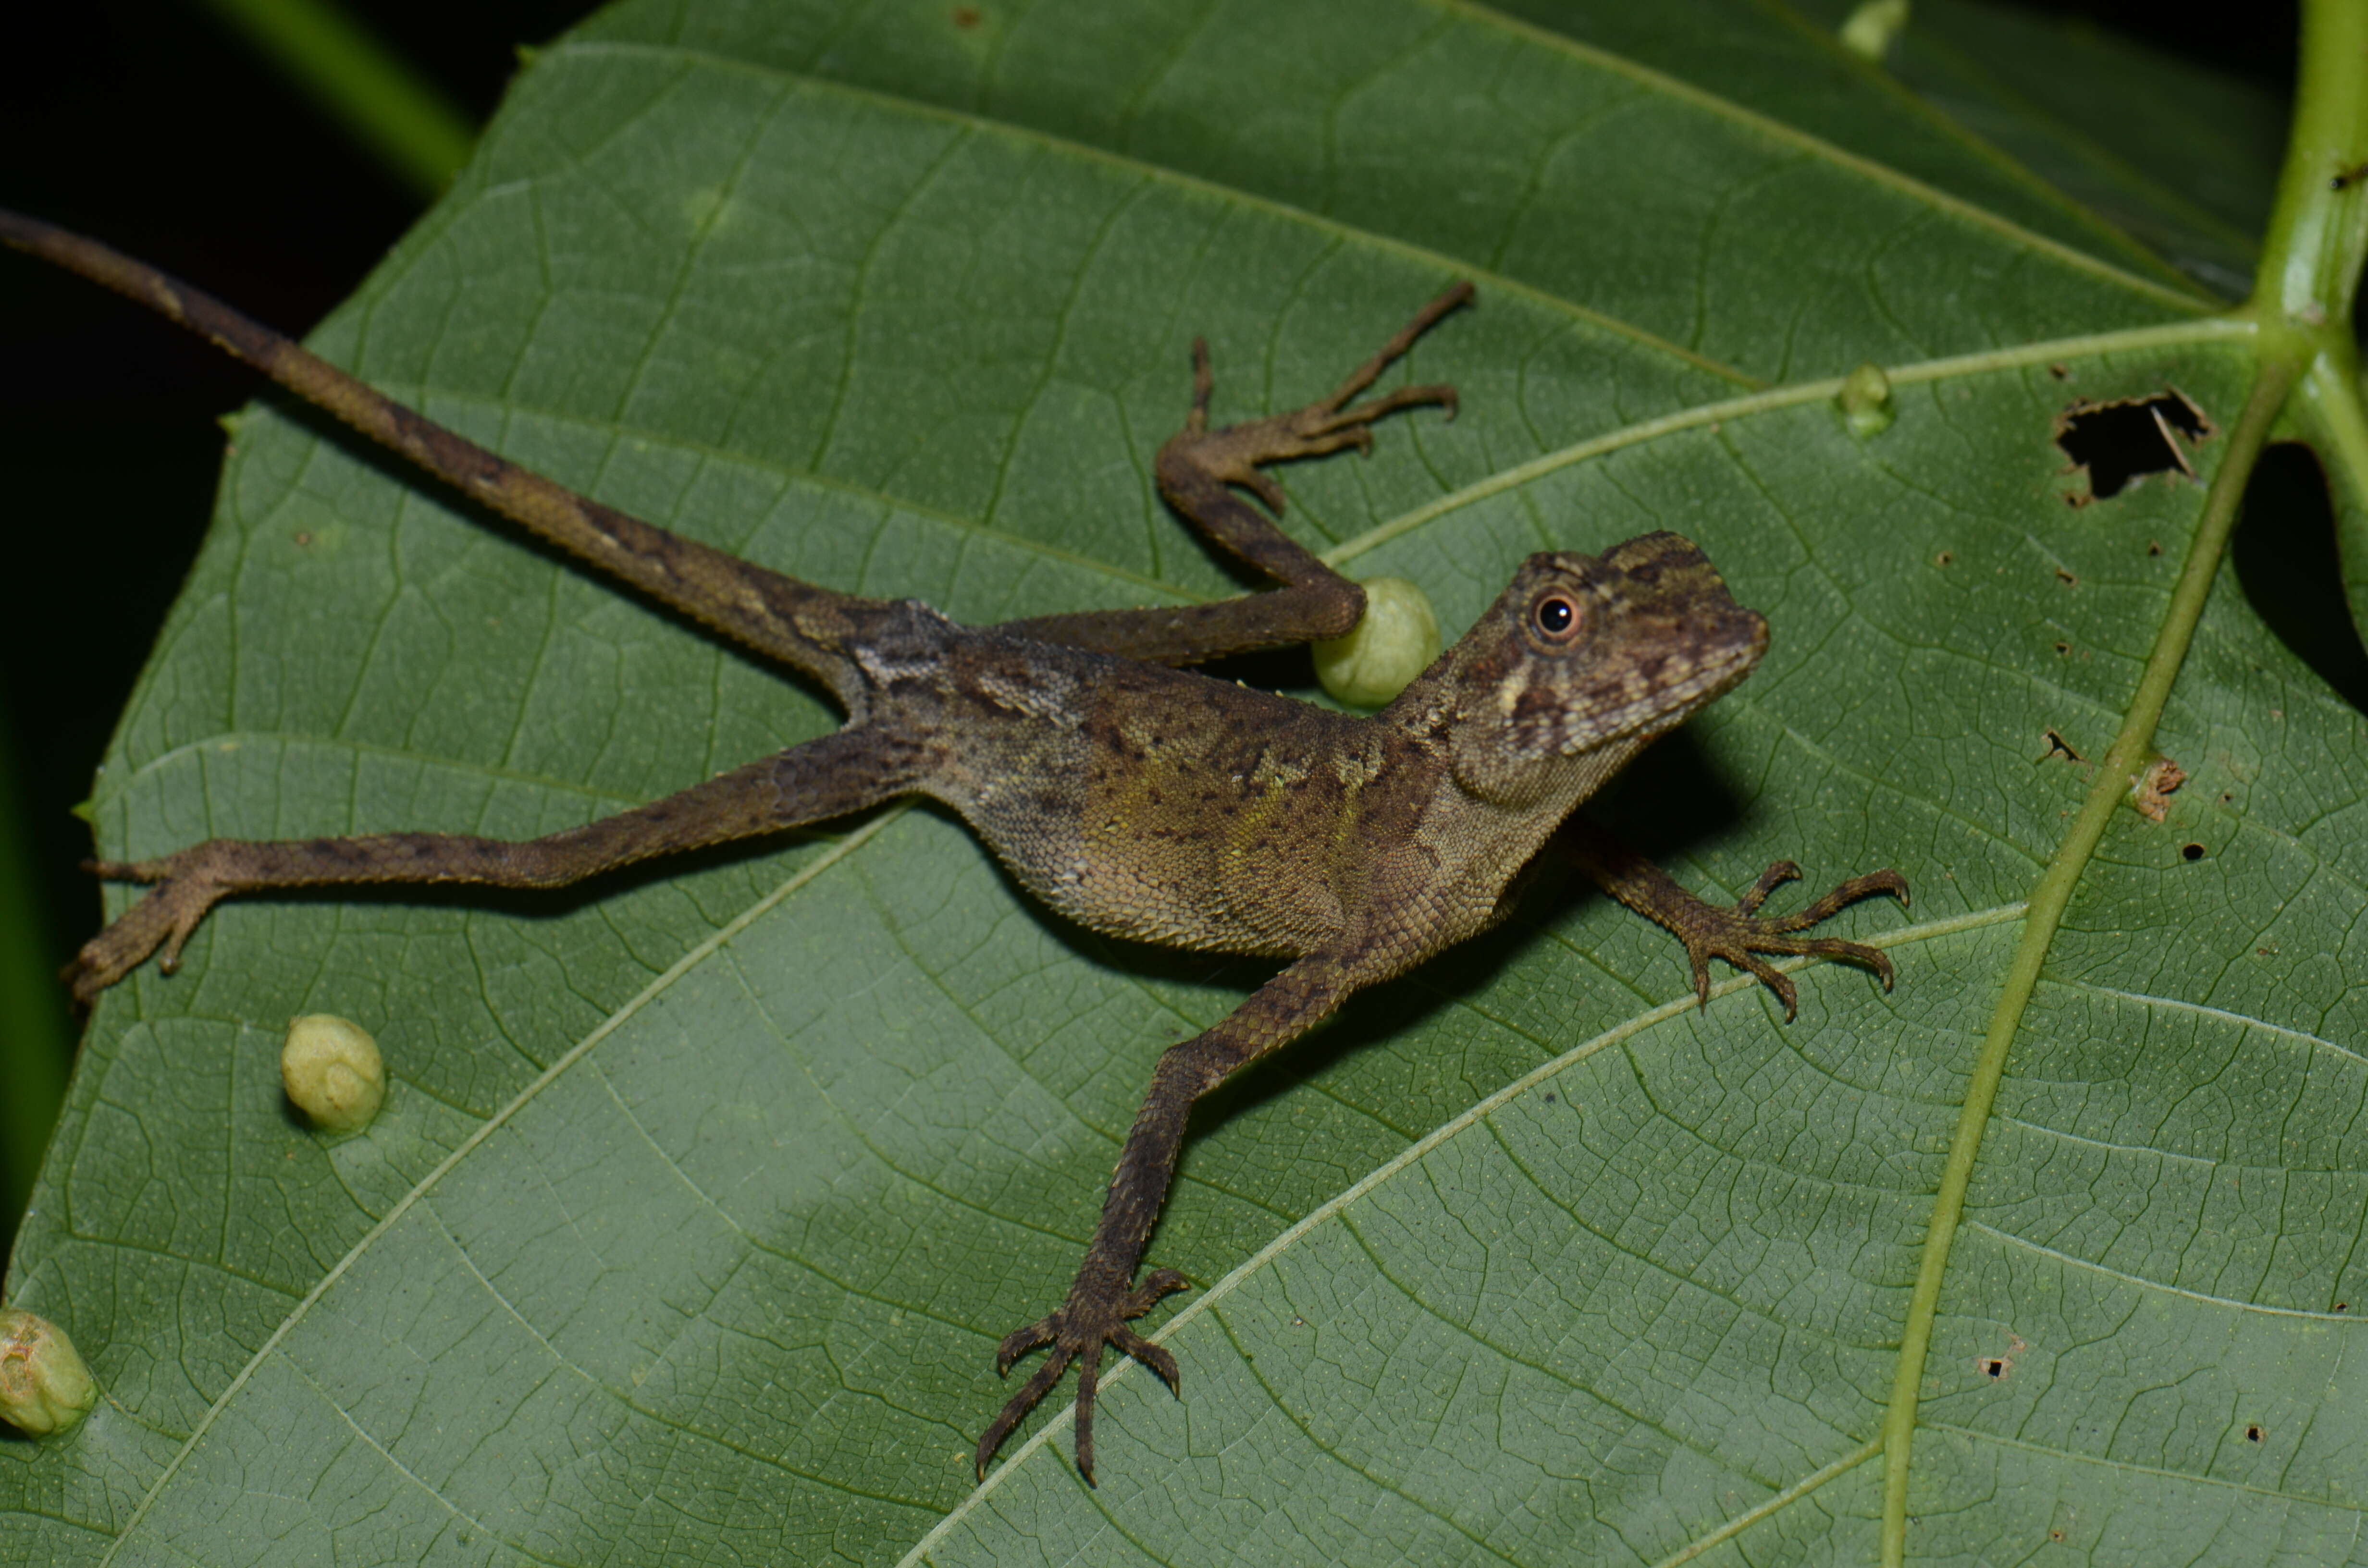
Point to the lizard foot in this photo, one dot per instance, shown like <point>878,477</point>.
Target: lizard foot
<point>1095,1314</point>
<point>1736,935</point>
<point>1233,453</point>
<point>187,884</point>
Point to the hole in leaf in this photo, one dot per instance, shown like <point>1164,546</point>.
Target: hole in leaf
<point>1996,1368</point>
<point>2191,851</point>
<point>2121,442</point>
<point>2285,554</point>
<point>2253,1434</point>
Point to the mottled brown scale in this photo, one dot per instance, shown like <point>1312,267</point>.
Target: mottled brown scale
<point>1130,794</point>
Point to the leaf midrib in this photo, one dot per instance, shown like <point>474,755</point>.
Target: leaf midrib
<point>2274,376</point>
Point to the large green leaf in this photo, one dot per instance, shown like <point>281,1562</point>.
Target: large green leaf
<point>700,1199</point>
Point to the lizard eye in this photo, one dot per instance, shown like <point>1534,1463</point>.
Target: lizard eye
<point>1555,617</point>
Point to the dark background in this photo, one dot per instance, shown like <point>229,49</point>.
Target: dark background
<point>147,125</point>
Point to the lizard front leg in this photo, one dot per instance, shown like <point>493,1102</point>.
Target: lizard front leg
<point>1104,1297</point>
<point>1197,471</point>
<point>1710,931</point>
<point>826,778</point>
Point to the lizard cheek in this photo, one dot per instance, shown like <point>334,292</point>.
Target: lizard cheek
<point>1508,694</point>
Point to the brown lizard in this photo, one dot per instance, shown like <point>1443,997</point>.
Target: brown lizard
<point>1132,795</point>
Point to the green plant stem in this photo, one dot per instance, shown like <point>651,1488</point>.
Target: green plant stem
<point>2302,305</point>
<point>2318,229</point>
<point>419,134</point>
<point>2131,750</point>
<point>2322,233</point>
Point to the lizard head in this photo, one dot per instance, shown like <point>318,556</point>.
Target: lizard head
<point>1583,660</point>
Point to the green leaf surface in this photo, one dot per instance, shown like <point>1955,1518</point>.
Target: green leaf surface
<point>701,1198</point>
<point>2178,157</point>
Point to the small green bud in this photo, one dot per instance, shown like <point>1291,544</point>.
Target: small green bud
<point>45,1387</point>
<point>332,1072</point>
<point>1865,402</point>
<point>1395,641</point>
<point>1873,27</point>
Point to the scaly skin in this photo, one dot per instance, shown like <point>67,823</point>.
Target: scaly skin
<point>1133,796</point>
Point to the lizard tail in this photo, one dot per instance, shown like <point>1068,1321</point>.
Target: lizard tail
<point>807,628</point>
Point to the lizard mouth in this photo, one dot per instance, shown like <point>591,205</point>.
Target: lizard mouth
<point>1641,696</point>
<point>1657,712</point>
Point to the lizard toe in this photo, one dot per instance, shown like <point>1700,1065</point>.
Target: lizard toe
<point>1152,1356</point>
<point>1771,879</point>
<point>1020,1341</point>
<point>1019,1405</point>
<point>1093,1316</point>
<point>1157,1283</point>
<point>1737,936</point>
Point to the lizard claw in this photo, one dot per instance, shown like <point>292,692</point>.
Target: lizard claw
<point>1736,935</point>
<point>1093,1316</point>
